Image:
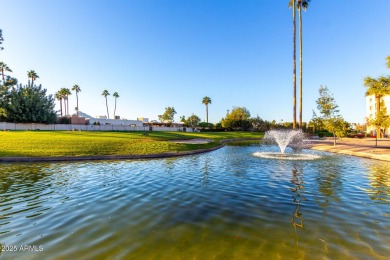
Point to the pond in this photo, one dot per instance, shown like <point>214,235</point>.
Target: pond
<point>226,204</point>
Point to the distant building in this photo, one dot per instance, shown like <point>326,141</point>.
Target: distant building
<point>85,119</point>
<point>143,120</point>
<point>164,124</point>
<point>76,120</point>
<point>82,114</point>
<point>371,110</point>
<point>120,122</point>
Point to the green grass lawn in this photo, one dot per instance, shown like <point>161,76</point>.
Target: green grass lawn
<point>75,143</point>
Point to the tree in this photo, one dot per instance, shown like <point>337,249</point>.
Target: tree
<point>4,99</point>
<point>105,94</point>
<point>58,96</point>
<point>378,87</point>
<point>4,67</point>
<point>302,4</point>
<point>115,95</point>
<point>62,98</point>
<point>259,125</point>
<point>292,4</point>
<point>65,96</point>
<point>33,76</point>
<point>332,121</point>
<point>381,121</point>
<point>9,81</point>
<point>206,125</point>
<point>169,114</point>
<point>388,61</point>
<point>316,123</point>
<point>237,118</point>
<point>77,89</point>
<point>29,104</point>
<point>1,39</point>
<point>206,101</point>
<point>191,121</point>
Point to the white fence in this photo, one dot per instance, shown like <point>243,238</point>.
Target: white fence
<point>32,126</point>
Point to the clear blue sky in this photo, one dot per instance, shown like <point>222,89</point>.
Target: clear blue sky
<point>159,53</point>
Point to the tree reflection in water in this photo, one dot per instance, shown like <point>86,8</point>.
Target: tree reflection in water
<point>298,191</point>
<point>380,182</point>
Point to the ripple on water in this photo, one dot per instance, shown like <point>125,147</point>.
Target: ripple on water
<point>226,204</point>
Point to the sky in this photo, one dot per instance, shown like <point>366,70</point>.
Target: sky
<point>160,53</point>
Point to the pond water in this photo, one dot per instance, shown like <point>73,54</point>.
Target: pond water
<point>226,204</point>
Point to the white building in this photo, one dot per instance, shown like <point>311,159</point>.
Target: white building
<point>120,122</point>
<point>103,120</point>
<point>371,109</point>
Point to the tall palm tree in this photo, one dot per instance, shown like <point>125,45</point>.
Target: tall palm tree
<point>62,92</point>
<point>32,75</point>
<point>115,95</point>
<point>65,92</point>
<point>105,94</point>
<point>302,4</point>
<point>58,96</point>
<point>206,100</point>
<point>4,67</point>
<point>77,89</point>
<point>292,4</point>
<point>378,87</point>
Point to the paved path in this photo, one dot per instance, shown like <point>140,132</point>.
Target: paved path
<point>357,147</point>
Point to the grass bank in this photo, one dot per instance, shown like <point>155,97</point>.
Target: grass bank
<point>74,143</point>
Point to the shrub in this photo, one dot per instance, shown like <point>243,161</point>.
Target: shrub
<point>64,120</point>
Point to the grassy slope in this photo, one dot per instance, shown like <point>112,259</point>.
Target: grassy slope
<point>67,143</point>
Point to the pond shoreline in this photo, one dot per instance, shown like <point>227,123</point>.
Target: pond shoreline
<point>359,150</point>
<point>354,148</point>
<point>107,157</point>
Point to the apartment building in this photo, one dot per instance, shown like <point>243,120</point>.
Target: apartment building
<point>371,109</point>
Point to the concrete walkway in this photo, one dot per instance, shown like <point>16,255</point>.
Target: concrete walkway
<point>354,146</point>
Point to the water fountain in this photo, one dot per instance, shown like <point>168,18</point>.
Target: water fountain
<point>284,138</point>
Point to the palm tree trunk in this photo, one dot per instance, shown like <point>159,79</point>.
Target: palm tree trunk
<point>67,104</point>
<point>61,106</point>
<point>77,98</point>
<point>300,67</point>
<point>207,114</point>
<point>294,68</point>
<point>108,115</point>
<point>2,72</point>
<point>64,107</point>
<point>115,109</point>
